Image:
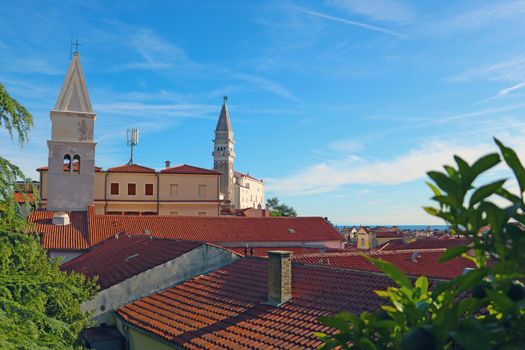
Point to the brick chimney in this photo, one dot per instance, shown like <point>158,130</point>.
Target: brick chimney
<point>168,164</point>
<point>279,277</point>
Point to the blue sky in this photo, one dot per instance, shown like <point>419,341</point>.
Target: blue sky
<point>341,106</point>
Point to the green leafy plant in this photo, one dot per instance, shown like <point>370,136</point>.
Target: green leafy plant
<point>39,304</point>
<point>279,209</point>
<point>481,309</point>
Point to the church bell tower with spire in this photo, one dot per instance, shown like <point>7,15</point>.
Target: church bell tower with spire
<point>71,161</point>
<point>223,153</point>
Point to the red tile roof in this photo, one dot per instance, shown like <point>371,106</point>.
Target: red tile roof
<point>131,168</point>
<point>69,237</point>
<point>387,234</point>
<point>423,243</point>
<point>263,251</point>
<point>239,174</point>
<point>189,169</point>
<point>426,264</point>
<point>226,309</point>
<point>116,260</point>
<point>192,228</point>
<point>19,197</point>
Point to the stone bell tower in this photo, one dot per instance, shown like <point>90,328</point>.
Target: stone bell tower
<point>223,153</point>
<point>71,149</point>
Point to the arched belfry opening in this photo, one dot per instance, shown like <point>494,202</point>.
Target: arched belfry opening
<point>67,163</point>
<point>76,164</point>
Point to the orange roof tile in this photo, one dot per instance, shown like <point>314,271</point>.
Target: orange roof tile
<point>116,260</point>
<point>131,168</point>
<point>426,262</point>
<point>423,243</point>
<point>210,229</point>
<point>263,251</point>
<point>227,309</point>
<point>69,237</point>
<point>189,169</point>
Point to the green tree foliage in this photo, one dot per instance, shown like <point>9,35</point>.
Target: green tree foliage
<point>17,121</point>
<point>279,209</point>
<point>480,310</point>
<point>39,304</point>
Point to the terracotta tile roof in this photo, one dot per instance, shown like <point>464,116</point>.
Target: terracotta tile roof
<point>19,197</point>
<point>426,264</point>
<point>423,243</point>
<point>75,167</point>
<point>226,309</point>
<point>192,228</point>
<point>239,174</point>
<point>263,251</point>
<point>387,234</point>
<point>131,168</point>
<point>189,169</point>
<point>216,229</point>
<point>69,237</point>
<point>116,260</point>
<point>252,212</point>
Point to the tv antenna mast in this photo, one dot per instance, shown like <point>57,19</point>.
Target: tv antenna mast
<point>132,140</point>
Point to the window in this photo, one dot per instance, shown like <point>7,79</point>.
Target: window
<point>149,190</point>
<point>362,242</point>
<point>67,163</point>
<point>148,213</point>
<point>131,213</point>
<point>174,190</point>
<point>202,190</point>
<point>114,188</point>
<point>76,164</point>
<point>132,189</point>
<point>114,213</point>
<point>202,213</point>
<point>174,213</point>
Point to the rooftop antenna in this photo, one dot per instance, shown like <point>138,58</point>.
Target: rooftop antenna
<point>132,141</point>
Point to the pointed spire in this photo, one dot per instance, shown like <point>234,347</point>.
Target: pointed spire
<point>74,95</point>
<point>224,119</point>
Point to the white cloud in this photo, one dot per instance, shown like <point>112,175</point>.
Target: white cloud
<point>508,90</point>
<point>353,23</point>
<point>379,10</point>
<point>509,70</point>
<point>407,167</point>
<point>478,18</point>
<point>347,145</point>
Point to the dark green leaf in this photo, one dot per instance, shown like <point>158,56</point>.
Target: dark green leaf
<point>514,163</point>
<point>484,163</point>
<point>444,182</point>
<point>484,191</point>
<point>453,252</point>
<point>391,271</point>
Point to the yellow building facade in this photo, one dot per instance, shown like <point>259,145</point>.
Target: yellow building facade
<point>137,190</point>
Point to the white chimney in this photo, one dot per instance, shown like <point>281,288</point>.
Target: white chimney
<point>60,218</point>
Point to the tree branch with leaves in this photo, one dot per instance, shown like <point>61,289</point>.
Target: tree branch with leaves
<point>482,309</point>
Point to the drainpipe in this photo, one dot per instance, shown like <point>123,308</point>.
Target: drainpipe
<point>158,193</point>
<point>218,196</point>
<point>40,186</point>
<point>106,192</point>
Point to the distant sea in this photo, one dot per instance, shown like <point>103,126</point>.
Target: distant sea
<point>407,227</point>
